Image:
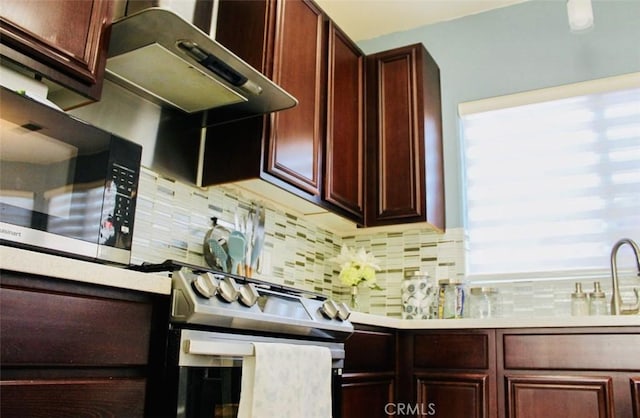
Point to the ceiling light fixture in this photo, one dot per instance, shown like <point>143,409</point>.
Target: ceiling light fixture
<point>580,15</point>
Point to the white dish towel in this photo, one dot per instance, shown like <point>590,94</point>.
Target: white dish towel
<point>286,381</point>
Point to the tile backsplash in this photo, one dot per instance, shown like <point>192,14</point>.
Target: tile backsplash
<point>172,219</point>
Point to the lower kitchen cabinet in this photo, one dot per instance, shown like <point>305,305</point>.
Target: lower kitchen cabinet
<point>75,349</point>
<point>520,373</point>
<point>369,378</point>
<point>450,373</point>
<point>569,373</point>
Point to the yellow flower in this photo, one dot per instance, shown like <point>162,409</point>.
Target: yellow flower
<point>357,267</point>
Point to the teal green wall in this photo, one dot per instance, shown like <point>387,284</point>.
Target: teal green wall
<point>517,48</point>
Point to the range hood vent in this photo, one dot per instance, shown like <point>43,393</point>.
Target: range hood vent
<point>163,58</point>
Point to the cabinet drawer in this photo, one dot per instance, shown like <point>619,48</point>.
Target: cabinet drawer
<point>45,329</point>
<point>572,352</point>
<point>451,351</point>
<point>66,398</point>
<point>370,351</point>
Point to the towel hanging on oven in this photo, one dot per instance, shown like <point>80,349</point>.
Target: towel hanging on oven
<point>286,381</point>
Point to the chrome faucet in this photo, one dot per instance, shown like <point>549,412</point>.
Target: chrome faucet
<point>617,306</point>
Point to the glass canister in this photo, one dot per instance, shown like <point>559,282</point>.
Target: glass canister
<point>483,302</point>
<point>451,299</point>
<point>418,297</point>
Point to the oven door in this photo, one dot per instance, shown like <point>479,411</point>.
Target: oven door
<point>210,371</point>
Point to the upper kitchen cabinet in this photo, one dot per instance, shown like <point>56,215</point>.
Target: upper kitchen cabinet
<point>63,41</point>
<point>293,43</point>
<point>405,180</point>
<point>344,157</point>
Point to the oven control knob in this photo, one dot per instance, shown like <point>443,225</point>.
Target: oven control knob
<point>248,295</point>
<point>205,285</point>
<point>343,311</point>
<point>228,289</point>
<point>329,309</point>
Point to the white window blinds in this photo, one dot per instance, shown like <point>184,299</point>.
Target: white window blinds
<point>551,186</point>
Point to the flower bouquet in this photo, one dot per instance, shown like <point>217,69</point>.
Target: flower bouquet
<point>357,267</point>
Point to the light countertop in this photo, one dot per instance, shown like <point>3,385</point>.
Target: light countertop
<point>82,271</point>
<point>466,323</point>
<point>37,263</point>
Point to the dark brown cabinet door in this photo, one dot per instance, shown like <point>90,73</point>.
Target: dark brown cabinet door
<point>65,41</point>
<point>453,395</point>
<point>404,138</point>
<point>295,142</point>
<point>286,41</point>
<point>635,396</point>
<point>368,397</point>
<point>449,373</point>
<point>316,149</point>
<point>531,396</point>
<point>344,173</point>
<point>369,377</point>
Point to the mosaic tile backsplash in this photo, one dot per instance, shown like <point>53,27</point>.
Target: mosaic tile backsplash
<point>172,219</point>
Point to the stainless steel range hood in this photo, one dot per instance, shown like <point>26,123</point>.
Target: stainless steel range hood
<point>165,59</point>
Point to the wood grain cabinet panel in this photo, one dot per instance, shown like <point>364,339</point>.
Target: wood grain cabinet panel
<point>73,398</point>
<point>370,376</point>
<point>74,349</point>
<point>451,351</point>
<point>370,351</point>
<point>344,169</point>
<point>635,395</point>
<point>286,41</point>
<point>65,41</point>
<point>316,149</point>
<point>569,372</point>
<point>572,351</point>
<point>537,396</point>
<point>452,372</point>
<point>405,180</point>
<point>453,395</point>
<point>72,330</point>
<point>295,143</point>
<point>368,397</point>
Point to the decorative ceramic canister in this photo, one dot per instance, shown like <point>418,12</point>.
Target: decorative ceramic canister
<point>418,297</point>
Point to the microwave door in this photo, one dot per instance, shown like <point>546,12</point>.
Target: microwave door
<point>31,164</point>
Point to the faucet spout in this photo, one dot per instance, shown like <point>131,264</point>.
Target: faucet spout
<point>617,306</point>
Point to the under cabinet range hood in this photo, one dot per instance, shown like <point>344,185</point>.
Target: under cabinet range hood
<point>167,60</point>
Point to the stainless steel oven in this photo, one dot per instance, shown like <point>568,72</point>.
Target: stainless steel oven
<point>210,369</point>
<point>215,318</point>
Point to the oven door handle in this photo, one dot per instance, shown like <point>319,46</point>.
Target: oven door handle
<point>219,348</point>
<point>228,348</point>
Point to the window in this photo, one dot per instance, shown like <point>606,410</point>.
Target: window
<point>552,184</point>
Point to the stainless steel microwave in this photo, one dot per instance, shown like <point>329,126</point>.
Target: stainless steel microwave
<point>66,187</point>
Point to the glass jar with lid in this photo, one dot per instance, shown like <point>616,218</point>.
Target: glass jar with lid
<point>418,297</point>
<point>451,299</point>
<point>483,302</point>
